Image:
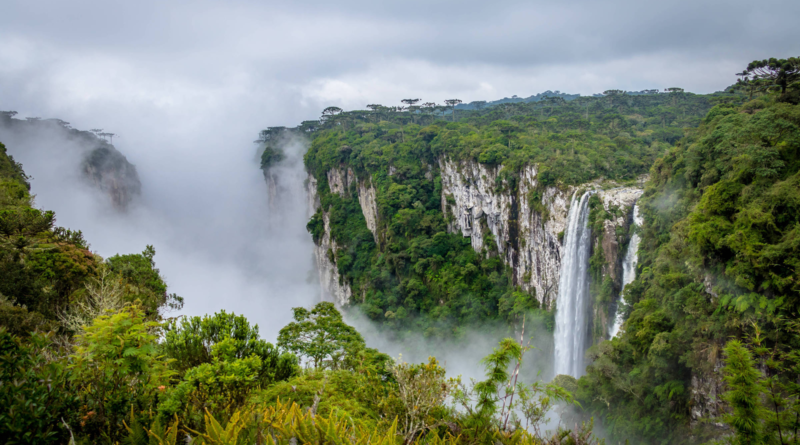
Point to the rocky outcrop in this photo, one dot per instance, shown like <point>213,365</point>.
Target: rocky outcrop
<point>525,230</point>
<point>90,154</point>
<point>110,172</point>
<point>340,179</point>
<point>526,224</point>
<point>706,399</point>
<point>618,202</point>
<point>367,198</point>
<point>333,287</point>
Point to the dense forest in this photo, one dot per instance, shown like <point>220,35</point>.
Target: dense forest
<point>708,351</point>
<point>417,275</point>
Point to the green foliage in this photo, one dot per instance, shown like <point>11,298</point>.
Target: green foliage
<point>779,75</point>
<point>422,391</point>
<point>743,394</point>
<point>32,392</point>
<point>271,156</point>
<point>718,252</point>
<point>412,275</point>
<point>321,336</point>
<point>11,171</point>
<point>190,341</point>
<point>143,282</point>
<point>220,360</point>
<point>343,392</point>
<point>220,386</point>
<point>116,368</point>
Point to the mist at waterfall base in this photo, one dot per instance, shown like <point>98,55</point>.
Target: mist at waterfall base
<point>204,207</point>
<point>572,305</point>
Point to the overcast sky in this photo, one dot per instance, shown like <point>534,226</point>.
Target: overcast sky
<point>187,85</point>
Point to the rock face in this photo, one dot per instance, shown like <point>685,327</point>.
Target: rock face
<point>369,206</point>
<point>93,157</point>
<point>333,287</point>
<point>522,224</point>
<point>527,238</point>
<point>619,203</point>
<point>339,180</point>
<point>109,171</point>
<point>707,391</point>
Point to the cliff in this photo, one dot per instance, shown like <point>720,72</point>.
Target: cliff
<point>517,220</point>
<point>109,171</point>
<point>87,153</point>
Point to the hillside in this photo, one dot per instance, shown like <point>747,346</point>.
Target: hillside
<point>430,221</point>
<point>90,153</point>
<point>719,259</point>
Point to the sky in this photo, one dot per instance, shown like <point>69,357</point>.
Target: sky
<point>187,85</point>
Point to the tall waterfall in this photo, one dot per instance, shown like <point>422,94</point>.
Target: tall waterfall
<point>572,306</point>
<point>628,269</point>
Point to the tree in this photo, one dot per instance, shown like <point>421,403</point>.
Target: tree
<point>452,104</point>
<point>309,126</point>
<point>116,370</point>
<point>191,340</point>
<point>422,391</point>
<point>769,73</point>
<point>321,335</point>
<point>142,281</point>
<point>743,396</point>
<point>410,102</point>
<point>329,112</point>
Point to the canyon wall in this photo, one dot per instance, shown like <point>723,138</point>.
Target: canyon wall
<point>522,222</point>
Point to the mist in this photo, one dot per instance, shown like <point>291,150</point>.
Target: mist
<point>220,243</point>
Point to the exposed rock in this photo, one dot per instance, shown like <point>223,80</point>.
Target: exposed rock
<point>339,180</point>
<point>93,157</point>
<point>621,200</point>
<point>707,391</point>
<point>333,287</point>
<point>369,206</point>
<point>109,171</point>
<point>525,231</point>
<point>526,239</point>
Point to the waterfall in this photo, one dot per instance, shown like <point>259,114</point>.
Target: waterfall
<point>572,306</point>
<point>628,269</point>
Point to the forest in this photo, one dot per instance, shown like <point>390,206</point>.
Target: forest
<point>89,351</point>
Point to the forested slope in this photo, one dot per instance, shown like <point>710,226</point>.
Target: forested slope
<point>383,222</point>
<point>719,259</point>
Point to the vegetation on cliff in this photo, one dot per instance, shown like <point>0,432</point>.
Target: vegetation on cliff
<point>416,275</point>
<point>719,259</point>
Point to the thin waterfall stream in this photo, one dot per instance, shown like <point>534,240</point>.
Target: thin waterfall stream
<point>628,270</point>
<point>572,305</point>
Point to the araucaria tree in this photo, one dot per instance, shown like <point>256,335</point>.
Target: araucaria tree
<point>452,104</point>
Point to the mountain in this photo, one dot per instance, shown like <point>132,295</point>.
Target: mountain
<point>88,153</point>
